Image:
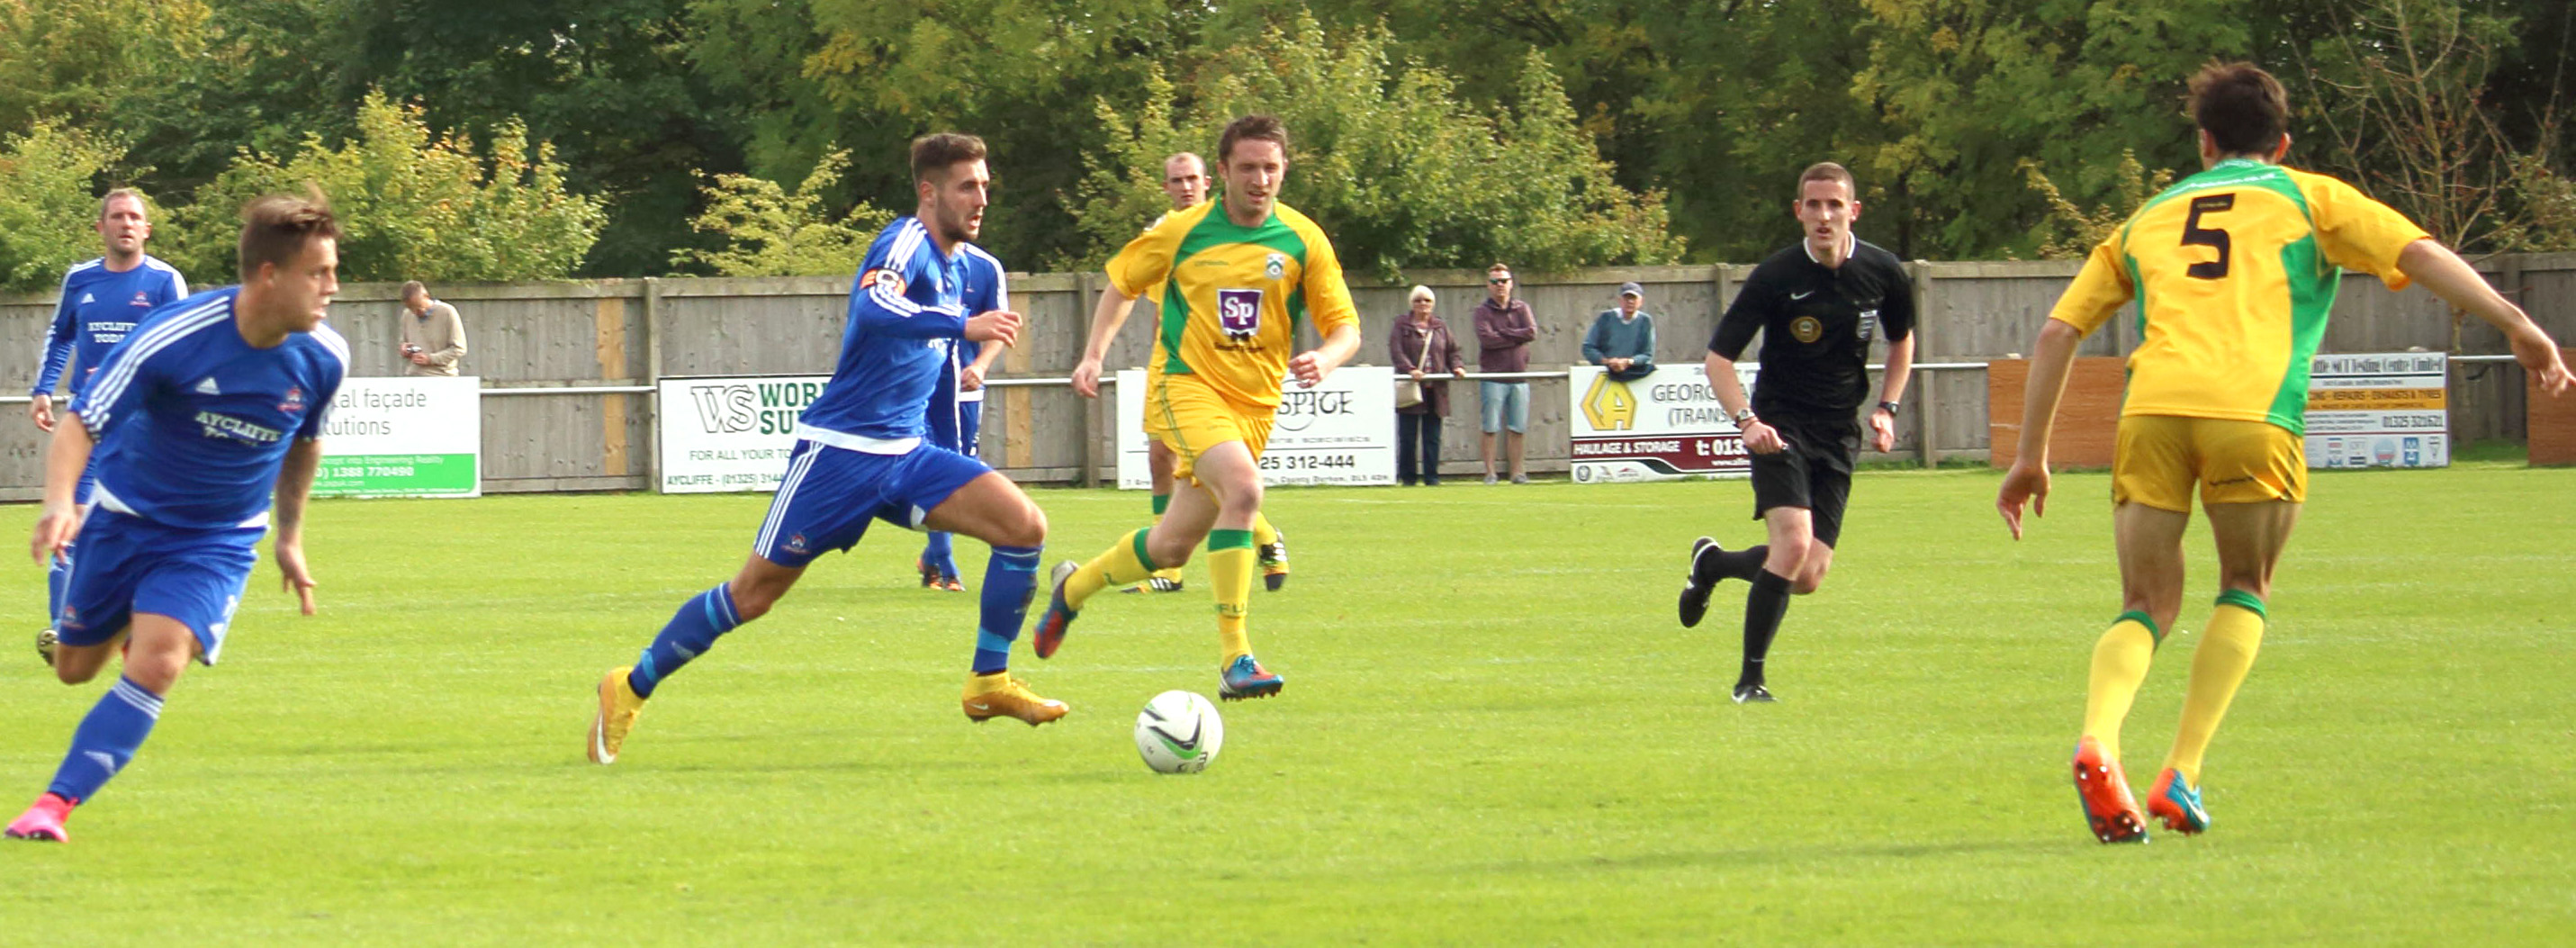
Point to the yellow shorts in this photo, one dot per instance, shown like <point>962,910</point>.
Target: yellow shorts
<point>1189,417</point>
<point>2158,459</point>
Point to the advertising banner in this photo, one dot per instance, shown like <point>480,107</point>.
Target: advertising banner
<point>2379,410</point>
<point>1665,426</point>
<point>729,434</point>
<point>1340,432</point>
<point>404,437</point>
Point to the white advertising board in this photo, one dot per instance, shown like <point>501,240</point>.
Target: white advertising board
<point>1340,432</point>
<point>2387,409</point>
<point>404,436</point>
<point>729,434</point>
<point>1666,426</point>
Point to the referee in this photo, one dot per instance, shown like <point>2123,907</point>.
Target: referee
<point>1814,303</point>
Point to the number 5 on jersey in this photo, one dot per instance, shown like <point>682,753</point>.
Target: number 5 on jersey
<point>2193,233</point>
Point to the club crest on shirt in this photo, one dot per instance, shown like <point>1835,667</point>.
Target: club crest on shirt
<point>1806,328</point>
<point>1238,313</point>
<point>890,280</point>
<point>142,299</point>
<point>1276,267</point>
<point>294,401</point>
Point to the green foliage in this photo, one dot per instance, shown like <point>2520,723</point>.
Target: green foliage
<point>414,206</point>
<point>49,202</point>
<point>1400,171</point>
<point>2070,232</point>
<point>767,230</point>
<point>78,60</point>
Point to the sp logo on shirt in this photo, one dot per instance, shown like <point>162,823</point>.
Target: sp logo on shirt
<point>1238,312</point>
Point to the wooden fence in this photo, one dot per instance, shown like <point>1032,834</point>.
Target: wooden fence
<point>564,364</point>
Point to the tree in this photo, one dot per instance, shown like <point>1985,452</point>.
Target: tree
<point>2407,118</point>
<point>1399,170</point>
<point>769,231</point>
<point>412,206</point>
<point>48,201</point>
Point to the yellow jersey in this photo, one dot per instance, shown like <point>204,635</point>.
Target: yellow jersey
<point>1233,296</point>
<point>2234,270</point>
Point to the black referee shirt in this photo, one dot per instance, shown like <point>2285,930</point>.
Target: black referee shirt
<point>1815,324</point>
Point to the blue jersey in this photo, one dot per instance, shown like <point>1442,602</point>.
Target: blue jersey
<point>987,289</point>
<point>907,311</point>
<point>99,306</point>
<point>192,423</point>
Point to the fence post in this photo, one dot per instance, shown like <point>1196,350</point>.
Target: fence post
<point>1088,417</point>
<point>653,377</point>
<point>1927,431</point>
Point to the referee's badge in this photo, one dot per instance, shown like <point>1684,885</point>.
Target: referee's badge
<point>1276,267</point>
<point>1867,317</point>
<point>1806,328</point>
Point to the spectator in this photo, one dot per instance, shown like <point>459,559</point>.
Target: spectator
<point>433,339</point>
<point>1623,340</point>
<point>1422,348</point>
<point>1504,330</point>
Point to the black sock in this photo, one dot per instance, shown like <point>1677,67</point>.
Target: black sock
<point>1763,608</point>
<point>1715,564</point>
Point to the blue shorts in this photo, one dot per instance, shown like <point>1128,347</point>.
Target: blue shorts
<point>831,494</point>
<point>1505,404</point>
<point>128,565</point>
<point>960,431</point>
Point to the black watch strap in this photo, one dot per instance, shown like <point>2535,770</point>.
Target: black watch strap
<point>1889,407</point>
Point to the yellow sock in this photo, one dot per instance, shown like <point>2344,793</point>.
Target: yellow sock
<point>1173,574</point>
<point>1230,569</point>
<point>1124,563</point>
<point>2226,651</point>
<point>1263,534</point>
<point>2120,660</point>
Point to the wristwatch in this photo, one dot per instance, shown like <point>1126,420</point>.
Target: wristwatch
<point>1742,417</point>
<point>1888,407</point>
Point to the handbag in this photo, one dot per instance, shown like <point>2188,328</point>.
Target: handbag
<point>1408,392</point>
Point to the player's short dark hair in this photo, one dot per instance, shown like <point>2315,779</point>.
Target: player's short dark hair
<point>936,153</point>
<point>1266,128</point>
<point>126,193</point>
<point>2244,109</point>
<point>276,227</point>
<point>1828,171</point>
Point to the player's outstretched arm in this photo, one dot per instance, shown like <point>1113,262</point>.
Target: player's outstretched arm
<point>2451,278</point>
<point>66,455</point>
<point>1339,346</point>
<point>2052,360</point>
<point>1106,316</point>
<point>294,484</point>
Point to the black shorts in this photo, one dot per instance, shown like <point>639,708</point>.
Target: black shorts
<point>1814,472</point>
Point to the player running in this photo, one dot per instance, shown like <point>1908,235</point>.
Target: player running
<point>2236,269</point>
<point>1239,281</point>
<point>956,413</point>
<point>208,413</point>
<point>101,301</point>
<point>1815,304</point>
<point>860,456</point>
<point>1185,182</point>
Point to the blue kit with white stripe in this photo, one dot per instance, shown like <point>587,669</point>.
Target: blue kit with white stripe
<point>957,415</point>
<point>193,425</point>
<point>98,307</point>
<point>860,452</point>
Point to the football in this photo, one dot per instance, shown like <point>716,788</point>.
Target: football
<point>1178,733</point>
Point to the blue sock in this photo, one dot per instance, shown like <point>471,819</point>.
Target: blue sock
<point>106,739</point>
<point>940,553</point>
<point>692,631</point>
<point>58,576</point>
<point>1010,581</point>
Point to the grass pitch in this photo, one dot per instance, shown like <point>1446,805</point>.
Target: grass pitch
<point>1494,733</point>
